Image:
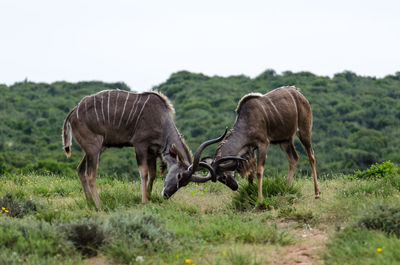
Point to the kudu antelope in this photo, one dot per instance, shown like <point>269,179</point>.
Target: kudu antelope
<point>116,118</point>
<point>273,118</point>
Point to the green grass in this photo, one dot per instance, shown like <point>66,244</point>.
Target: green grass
<point>49,222</point>
<point>360,246</point>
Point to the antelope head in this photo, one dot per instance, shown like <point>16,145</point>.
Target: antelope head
<point>180,173</point>
<point>224,170</point>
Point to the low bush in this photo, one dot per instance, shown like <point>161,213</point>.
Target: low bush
<point>383,218</point>
<point>87,237</point>
<point>275,191</point>
<point>377,171</point>
<point>136,235</point>
<point>33,239</point>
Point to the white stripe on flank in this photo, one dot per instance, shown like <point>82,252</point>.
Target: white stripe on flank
<point>102,108</point>
<point>115,109</point>
<point>79,105</point>
<point>265,112</point>
<point>294,101</point>
<point>77,110</point>
<point>108,107</point>
<point>134,104</point>
<point>140,113</point>
<point>95,110</point>
<point>277,112</point>
<point>123,111</point>
<point>136,108</point>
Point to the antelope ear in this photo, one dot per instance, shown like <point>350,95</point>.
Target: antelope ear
<point>173,151</point>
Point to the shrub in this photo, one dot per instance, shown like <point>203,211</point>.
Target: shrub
<point>376,171</point>
<point>87,238</point>
<point>383,218</point>
<point>134,235</point>
<point>275,191</point>
<point>30,237</point>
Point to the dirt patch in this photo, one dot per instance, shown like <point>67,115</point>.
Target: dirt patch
<point>306,251</point>
<point>98,260</point>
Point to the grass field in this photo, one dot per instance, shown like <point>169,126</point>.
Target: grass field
<point>45,219</point>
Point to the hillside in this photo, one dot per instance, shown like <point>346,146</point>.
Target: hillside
<point>356,119</point>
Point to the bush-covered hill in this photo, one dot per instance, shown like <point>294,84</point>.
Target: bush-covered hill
<point>356,119</point>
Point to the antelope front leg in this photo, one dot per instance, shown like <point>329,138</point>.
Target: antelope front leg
<point>261,155</point>
<point>144,171</point>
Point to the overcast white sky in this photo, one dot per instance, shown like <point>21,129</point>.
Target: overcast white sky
<point>143,42</point>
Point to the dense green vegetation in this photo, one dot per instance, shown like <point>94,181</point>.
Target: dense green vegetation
<point>356,119</point>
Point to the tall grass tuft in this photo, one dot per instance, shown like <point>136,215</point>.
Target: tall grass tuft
<point>237,258</point>
<point>275,191</point>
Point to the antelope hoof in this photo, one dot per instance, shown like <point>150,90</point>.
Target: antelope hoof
<point>317,195</point>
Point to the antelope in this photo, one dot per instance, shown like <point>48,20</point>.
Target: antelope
<point>273,118</point>
<point>117,118</point>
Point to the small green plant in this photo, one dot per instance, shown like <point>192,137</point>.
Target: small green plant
<point>273,188</point>
<point>383,218</point>
<point>237,258</point>
<point>379,170</point>
<point>300,216</point>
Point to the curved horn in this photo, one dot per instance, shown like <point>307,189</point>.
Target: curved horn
<point>199,178</point>
<point>226,158</point>
<point>230,167</point>
<point>210,169</point>
<point>199,150</point>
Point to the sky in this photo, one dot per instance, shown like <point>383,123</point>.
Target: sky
<point>142,43</point>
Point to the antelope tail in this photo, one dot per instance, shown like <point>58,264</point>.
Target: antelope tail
<point>67,137</point>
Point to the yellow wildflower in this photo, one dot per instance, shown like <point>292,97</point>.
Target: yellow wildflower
<point>6,211</point>
<point>3,208</point>
<point>187,261</point>
<point>379,249</point>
